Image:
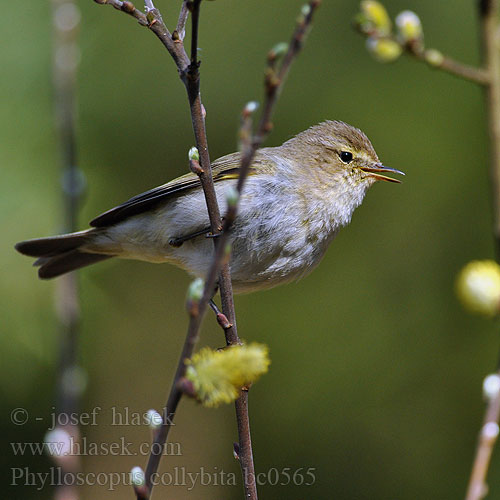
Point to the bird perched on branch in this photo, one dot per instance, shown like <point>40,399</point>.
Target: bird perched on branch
<point>296,198</point>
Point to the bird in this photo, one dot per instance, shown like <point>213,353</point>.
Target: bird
<point>296,198</point>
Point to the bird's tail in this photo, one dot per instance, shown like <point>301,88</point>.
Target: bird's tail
<point>60,254</point>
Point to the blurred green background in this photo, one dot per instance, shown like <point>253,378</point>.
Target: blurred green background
<point>376,371</point>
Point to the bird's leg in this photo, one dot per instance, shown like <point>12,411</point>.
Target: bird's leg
<point>177,242</point>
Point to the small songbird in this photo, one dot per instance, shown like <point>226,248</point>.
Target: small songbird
<point>296,198</point>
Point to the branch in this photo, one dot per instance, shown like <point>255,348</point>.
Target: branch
<point>189,73</point>
<point>219,266</point>
<point>477,488</point>
<point>127,7</point>
<point>180,30</point>
<point>196,311</point>
<point>488,10</point>
<point>153,20</point>
<point>274,83</point>
<point>437,60</point>
<point>66,19</point>
<point>414,46</point>
<point>245,454</point>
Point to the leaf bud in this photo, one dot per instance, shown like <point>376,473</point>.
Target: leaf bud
<point>376,17</point>
<point>409,26</point>
<point>434,57</point>
<point>478,287</point>
<point>137,476</point>
<point>491,386</point>
<point>383,49</point>
<point>193,154</point>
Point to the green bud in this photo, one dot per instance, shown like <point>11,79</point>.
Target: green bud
<point>409,26</point>
<point>58,443</point>
<point>384,49</point>
<point>150,16</point>
<point>153,419</point>
<point>195,290</point>
<point>490,431</point>
<point>376,15</point>
<point>137,476</point>
<point>251,107</point>
<point>232,197</point>
<point>434,57</point>
<point>279,50</point>
<point>491,386</point>
<point>305,10</point>
<point>193,154</point>
<point>478,287</point>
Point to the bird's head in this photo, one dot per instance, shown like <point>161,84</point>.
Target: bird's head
<point>338,152</point>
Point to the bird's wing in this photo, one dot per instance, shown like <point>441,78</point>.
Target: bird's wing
<point>224,168</point>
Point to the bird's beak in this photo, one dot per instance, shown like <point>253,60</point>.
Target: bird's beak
<point>375,171</point>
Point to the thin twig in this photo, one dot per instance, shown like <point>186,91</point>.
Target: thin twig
<point>66,20</point>
<point>489,30</point>
<point>153,20</point>
<point>195,9</point>
<point>489,10</point>
<point>245,453</point>
<point>189,73</point>
<point>477,488</point>
<point>445,63</point>
<point>180,30</point>
<point>274,83</point>
<point>196,312</point>
<point>245,447</point>
<point>433,58</point>
<point>250,145</point>
<point>127,7</point>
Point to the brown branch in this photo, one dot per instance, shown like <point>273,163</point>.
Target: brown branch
<point>273,85</point>
<point>127,7</point>
<point>488,12</point>
<point>66,19</point>
<point>153,20</point>
<point>219,267</point>
<point>245,454</point>
<point>445,63</point>
<point>489,30</point>
<point>477,488</point>
<point>180,30</point>
<point>196,311</point>
<point>433,58</point>
<point>189,72</point>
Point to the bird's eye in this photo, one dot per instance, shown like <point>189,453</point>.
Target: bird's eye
<point>346,156</point>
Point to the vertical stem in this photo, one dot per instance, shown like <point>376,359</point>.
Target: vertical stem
<point>66,19</point>
<point>245,454</point>
<point>225,283</point>
<point>488,12</point>
<point>489,25</point>
<point>477,488</point>
<point>192,80</point>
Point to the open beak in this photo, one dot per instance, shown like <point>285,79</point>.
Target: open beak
<point>376,171</point>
